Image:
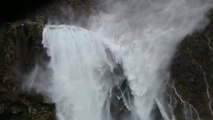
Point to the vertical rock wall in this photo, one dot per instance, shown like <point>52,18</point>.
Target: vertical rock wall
<point>192,74</point>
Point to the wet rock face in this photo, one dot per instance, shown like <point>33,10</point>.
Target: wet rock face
<point>119,96</point>
<point>29,47</point>
<point>191,75</point>
<point>20,49</point>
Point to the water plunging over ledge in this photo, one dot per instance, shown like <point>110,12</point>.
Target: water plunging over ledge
<point>141,36</point>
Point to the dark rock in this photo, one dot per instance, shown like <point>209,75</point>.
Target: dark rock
<point>191,73</point>
<point>21,50</point>
<point>11,10</point>
<point>120,97</point>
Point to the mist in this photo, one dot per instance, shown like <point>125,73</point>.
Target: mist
<point>148,32</point>
<point>141,34</point>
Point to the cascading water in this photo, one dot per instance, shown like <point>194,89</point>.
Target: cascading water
<point>77,61</point>
<point>148,32</point>
<point>142,34</point>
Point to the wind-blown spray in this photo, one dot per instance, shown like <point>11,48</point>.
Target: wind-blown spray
<point>146,33</point>
<point>77,68</point>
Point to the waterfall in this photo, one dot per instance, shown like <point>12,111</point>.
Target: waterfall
<point>148,32</point>
<point>78,62</point>
<point>141,34</point>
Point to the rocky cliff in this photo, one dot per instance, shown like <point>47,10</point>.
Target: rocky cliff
<point>191,73</point>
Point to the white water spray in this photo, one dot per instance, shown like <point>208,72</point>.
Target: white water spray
<point>78,77</point>
<point>78,62</point>
<point>146,31</point>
